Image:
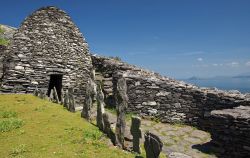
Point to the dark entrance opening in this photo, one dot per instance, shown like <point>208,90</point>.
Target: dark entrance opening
<point>55,81</point>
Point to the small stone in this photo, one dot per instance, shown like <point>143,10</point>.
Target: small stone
<point>19,67</point>
<point>150,103</point>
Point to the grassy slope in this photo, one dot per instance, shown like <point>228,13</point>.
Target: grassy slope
<point>51,131</point>
<point>2,40</point>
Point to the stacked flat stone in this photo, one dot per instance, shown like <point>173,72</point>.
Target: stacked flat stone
<point>47,43</point>
<point>2,53</point>
<point>164,98</point>
<point>231,131</point>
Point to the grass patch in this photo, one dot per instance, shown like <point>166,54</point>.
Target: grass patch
<point>8,114</point>
<point>4,42</point>
<point>10,124</point>
<point>50,131</point>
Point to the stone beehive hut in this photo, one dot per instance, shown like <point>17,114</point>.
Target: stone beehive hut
<point>48,51</point>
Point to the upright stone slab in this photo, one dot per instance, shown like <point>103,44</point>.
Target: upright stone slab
<point>121,106</point>
<point>55,95</point>
<point>51,96</point>
<point>153,145</point>
<point>71,100</point>
<point>135,131</point>
<point>42,94</point>
<point>107,129</point>
<point>62,98</point>
<point>36,92</point>
<point>87,106</point>
<point>100,107</point>
<point>66,100</point>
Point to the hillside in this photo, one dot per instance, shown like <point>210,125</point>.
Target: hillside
<point>6,34</point>
<point>31,127</point>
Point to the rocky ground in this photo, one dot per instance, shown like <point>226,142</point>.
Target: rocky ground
<point>177,138</point>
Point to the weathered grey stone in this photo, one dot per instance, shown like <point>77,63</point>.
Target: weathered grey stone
<point>135,130</point>
<point>55,95</point>
<point>153,145</point>
<point>167,99</point>
<point>90,93</point>
<point>121,106</point>
<point>62,98</point>
<point>66,100</point>
<point>231,130</point>
<point>107,129</point>
<point>51,96</point>
<point>36,92</point>
<point>100,107</point>
<point>71,100</point>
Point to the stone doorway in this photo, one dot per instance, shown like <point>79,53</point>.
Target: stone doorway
<point>56,81</point>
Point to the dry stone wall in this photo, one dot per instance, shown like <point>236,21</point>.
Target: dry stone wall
<point>163,98</point>
<point>48,43</point>
<point>231,131</point>
<point>2,53</point>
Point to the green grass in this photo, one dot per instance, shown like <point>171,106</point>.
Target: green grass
<point>4,42</point>
<point>1,29</point>
<point>49,130</point>
<point>8,114</point>
<point>128,115</point>
<point>10,124</point>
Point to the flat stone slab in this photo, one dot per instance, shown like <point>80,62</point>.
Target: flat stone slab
<point>241,112</point>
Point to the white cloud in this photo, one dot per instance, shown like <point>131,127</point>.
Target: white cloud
<point>233,64</point>
<point>199,59</point>
<point>248,63</point>
<point>215,64</point>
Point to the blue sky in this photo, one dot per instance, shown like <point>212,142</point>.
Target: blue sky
<point>177,38</point>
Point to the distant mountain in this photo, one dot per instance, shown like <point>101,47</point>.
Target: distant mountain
<point>242,75</point>
<point>195,78</point>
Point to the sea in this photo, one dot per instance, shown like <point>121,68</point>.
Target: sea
<point>240,84</point>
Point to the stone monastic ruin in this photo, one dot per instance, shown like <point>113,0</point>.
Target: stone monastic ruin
<point>48,51</point>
